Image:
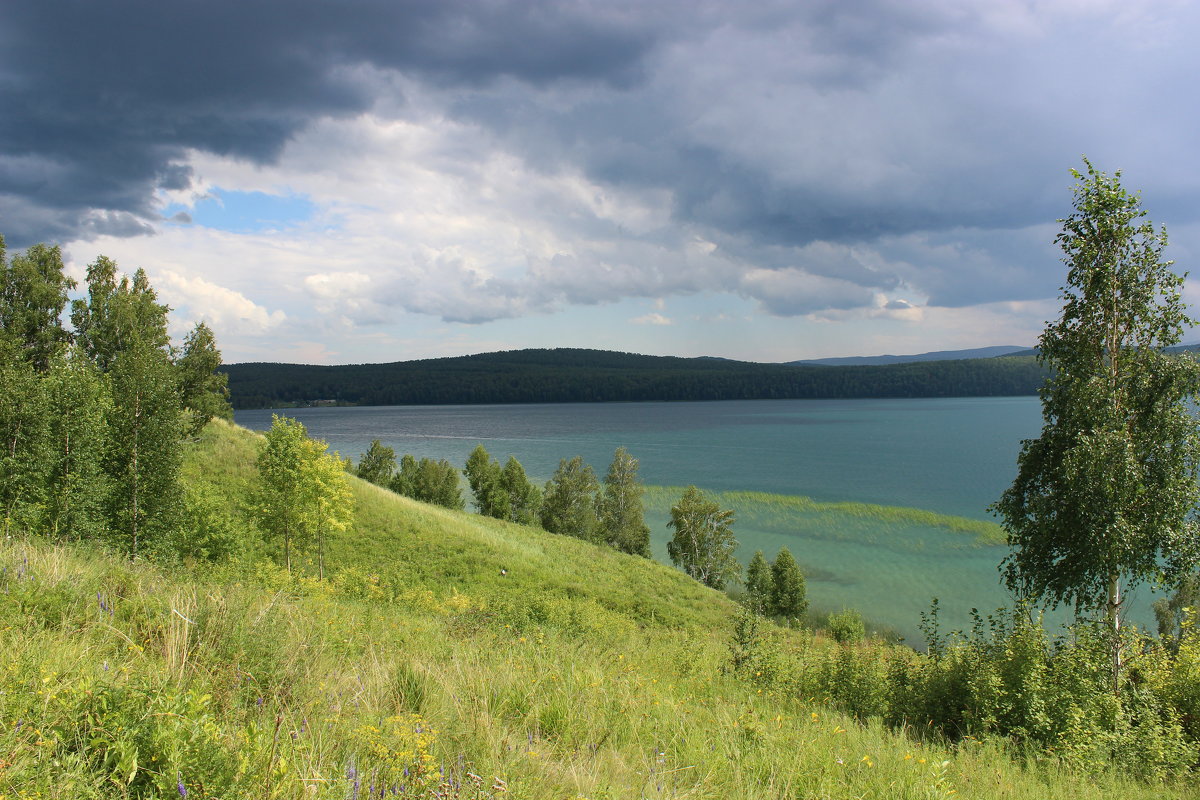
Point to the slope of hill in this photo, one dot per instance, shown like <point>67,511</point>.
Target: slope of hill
<point>937,355</point>
<point>420,670</point>
<point>571,375</point>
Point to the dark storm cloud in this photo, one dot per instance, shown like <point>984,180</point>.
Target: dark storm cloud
<point>101,100</point>
<point>876,146</point>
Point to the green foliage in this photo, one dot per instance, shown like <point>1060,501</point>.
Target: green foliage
<point>23,438</point>
<point>759,584</point>
<point>524,499</point>
<point>622,523</point>
<point>569,501</point>
<point>303,495</point>
<point>377,464</point>
<point>122,329</point>
<point>428,481</point>
<point>1105,494</point>
<point>79,404</point>
<point>853,678</point>
<point>282,487</point>
<point>117,314</point>
<point>788,591</point>
<point>33,293</point>
<point>703,544</point>
<point>203,392</point>
<point>745,642</point>
<point>1170,613</point>
<point>846,627</point>
<point>483,475</point>
<point>143,458</point>
<point>1009,678</point>
<point>208,531</point>
<point>582,673</point>
<point>329,505</point>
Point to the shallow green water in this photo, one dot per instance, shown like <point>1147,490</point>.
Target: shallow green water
<point>870,467</point>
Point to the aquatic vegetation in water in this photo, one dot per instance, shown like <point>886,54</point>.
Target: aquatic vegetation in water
<point>779,513</point>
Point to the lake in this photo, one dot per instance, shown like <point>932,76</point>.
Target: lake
<point>953,456</point>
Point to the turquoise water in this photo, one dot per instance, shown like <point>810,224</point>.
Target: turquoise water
<point>953,456</point>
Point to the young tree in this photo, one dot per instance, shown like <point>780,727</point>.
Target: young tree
<point>33,293</point>
<point>23,438</point>
<point>569,500</point>
<point>144,456</point>
<point>203,392</point>
<point>524,499</point>
<point>123,329</point>
<point>79,404</point>
<point>404,479</point>
<point>328,502</point>
<point>483,476</point>
<point>703,543</point>
<point>377,464</point>
<point>1105,493</point>
<point>117,312</point>
<point>282,493</point>
<point>429,481</point>
<point>759,584</point>
<point>438,480</point>
<point>788,590</point>
<point>622,522</point>
<point>208,532</point>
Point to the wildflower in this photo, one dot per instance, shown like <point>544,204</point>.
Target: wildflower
<point>182,789</point>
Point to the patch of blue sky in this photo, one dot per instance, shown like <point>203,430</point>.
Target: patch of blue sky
<point>244,212</point>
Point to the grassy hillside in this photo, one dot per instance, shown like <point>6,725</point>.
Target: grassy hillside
<point>420,670</point>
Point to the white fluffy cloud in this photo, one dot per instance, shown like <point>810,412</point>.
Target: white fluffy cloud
<point>198,300</point>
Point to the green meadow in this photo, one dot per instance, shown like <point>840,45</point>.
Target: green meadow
<point>454,656</point>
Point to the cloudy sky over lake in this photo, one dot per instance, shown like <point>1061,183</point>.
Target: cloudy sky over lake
<point>379,180</point>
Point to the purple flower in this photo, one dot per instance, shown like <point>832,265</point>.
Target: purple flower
<point>182,789</point>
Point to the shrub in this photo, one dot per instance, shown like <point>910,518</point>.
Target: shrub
<point>847,627</point>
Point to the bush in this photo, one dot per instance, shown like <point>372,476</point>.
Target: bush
<point>847,627</point>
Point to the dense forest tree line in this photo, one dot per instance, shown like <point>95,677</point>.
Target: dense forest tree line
<point>573,375</point>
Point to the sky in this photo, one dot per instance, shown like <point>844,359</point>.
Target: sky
<point>381,180</point>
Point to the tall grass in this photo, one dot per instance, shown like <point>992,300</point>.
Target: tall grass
<point>419,670</point>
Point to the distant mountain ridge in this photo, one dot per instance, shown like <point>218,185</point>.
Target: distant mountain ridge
<point>569,375</point>
<point>994,351</point>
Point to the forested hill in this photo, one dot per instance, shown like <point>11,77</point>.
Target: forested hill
<point>575,375</point>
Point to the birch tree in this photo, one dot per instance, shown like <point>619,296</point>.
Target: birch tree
<point>622,521</point>
<point>1103,498</point>
<point>703,544</point>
